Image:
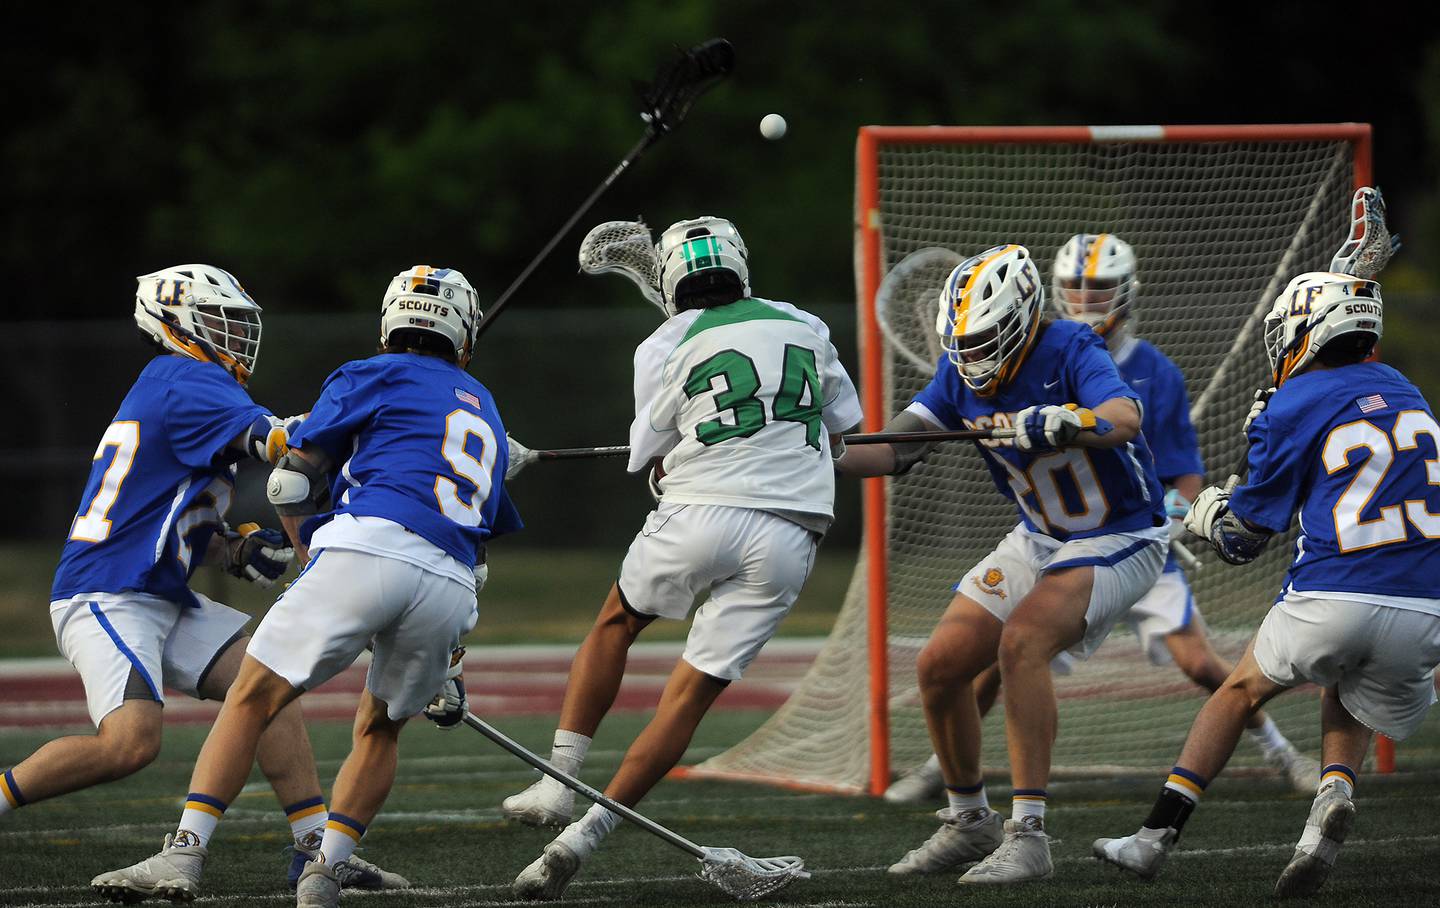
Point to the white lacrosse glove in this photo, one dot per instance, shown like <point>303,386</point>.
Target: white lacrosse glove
<point>1210,505</point>
<point>482,574</point>
<point>450,704</point>
<point>520,458</point>
<point>258,555</point>
<point>1262,400</point>
<point>1049,427</point>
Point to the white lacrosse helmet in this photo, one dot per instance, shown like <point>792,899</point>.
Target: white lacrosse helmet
<point>1313,310</point>
<point>701,248</point>
<point>202,312</point>
<point>990,309</point>
<point>1093,280</point>
<point>434,301</point>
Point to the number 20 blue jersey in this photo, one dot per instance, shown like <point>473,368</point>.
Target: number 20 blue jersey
<point>1354,450</point>
<point>418,441</point>
<point>160,483</point>
<point>1071,494</point>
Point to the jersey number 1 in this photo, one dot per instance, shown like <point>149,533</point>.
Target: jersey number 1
<point>798,399</point>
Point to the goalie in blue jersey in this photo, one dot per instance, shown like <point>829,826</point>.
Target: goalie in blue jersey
<point>153,511</point>
<point>409,448</point>
<point>1351,447</point>
<point>1090,542</point>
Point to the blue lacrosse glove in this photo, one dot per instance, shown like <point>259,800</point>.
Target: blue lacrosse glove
<point>257,554</point>
<point>1050,427</point>
<point>450,704</point>
<point>1176,505</point>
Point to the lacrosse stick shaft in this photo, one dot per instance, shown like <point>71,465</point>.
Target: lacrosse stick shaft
<point>1185,556</point>
<point>579,787</point>
<point>876,438</point>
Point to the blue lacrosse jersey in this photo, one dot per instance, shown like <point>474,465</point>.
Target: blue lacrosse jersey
<point>1071,494</point>
<point>160,484</point>
<point>1354,450</point>
<point>417,441</point>
<point>1166,423</point>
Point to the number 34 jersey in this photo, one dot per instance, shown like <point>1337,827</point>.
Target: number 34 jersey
<point>1354,450</point>
<point>417,441</point>
<point>1074,493</point>
<point>741,400</point>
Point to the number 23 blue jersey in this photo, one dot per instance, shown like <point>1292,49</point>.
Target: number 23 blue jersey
<point>1070,494</point>
<point>1354,450</point>
<point>418,441</point>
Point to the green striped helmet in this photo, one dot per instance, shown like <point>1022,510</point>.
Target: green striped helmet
<point>701,248</point>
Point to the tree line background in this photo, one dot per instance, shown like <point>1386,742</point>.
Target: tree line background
<point>315,149</point>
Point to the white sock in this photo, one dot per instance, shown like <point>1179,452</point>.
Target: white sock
<point>566,753</point>
<point>307,823</point>
<point>342,835</point>
<point>1268,737</point>
<point>963,798</point>
<point>1028,802</point>
<point>201,815</point>
<point>585,834</point>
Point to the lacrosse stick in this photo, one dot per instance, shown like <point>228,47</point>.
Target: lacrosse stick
<point>666,101</point>
<point>905,304</point>
<point>627,249</point>
<point>877,438</point>
<point>1364,254</point>
<point>741,876</point>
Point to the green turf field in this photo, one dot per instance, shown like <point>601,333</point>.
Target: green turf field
<point>441,828</point>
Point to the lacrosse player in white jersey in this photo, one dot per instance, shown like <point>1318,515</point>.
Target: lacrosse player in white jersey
<point>738,402</point>
<point>1094,282</point>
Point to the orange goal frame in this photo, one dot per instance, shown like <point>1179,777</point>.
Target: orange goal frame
<point>867,213</point>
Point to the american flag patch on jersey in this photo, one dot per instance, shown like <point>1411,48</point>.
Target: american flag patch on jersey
<point>1370,404</point>
<point>474,401</point>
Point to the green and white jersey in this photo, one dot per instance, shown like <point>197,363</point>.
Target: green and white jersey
<point>740,400</point>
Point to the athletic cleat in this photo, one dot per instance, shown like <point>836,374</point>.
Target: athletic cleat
<point>172,874</point>
<point>353,872</point>
<point>1139,853</point>
<point>1302,772</point>
<point>1023,855</point>
<point>961,839</point>
<point>922,785</point>
<point>540,805</point>
<point>545,879</point>
<point>1331,817</point>
<point>319,886</point>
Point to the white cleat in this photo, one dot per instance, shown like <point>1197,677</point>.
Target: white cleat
<point>172,874</point>
<point>962,839</point>
<point>545,879</point>
<point>1302,772</point>
<point>1331,817</point>
<point>319,886</point>
<point>540,805</point>
<point>1143,853</point>
<point>922,785</point>
<point>1023,855</point>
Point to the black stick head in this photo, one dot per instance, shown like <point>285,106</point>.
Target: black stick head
<point>677,84</point>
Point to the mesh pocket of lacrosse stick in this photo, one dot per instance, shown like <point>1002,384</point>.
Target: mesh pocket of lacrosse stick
<point>905,304</point>
<point>627,249</point>
<point>745,878</point>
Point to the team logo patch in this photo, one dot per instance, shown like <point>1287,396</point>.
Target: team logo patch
<point>468,398</point>
<point>990,581</point>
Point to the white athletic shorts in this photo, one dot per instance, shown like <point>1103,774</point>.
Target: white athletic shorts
<point>751,563</point>
<point>1381,659</point>
<point>1126,565</point>
<point>129,646</point>
<point>344,599</point>
<point>1167,608</point>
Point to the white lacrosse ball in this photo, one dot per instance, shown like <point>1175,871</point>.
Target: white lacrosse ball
<point>772,127</point>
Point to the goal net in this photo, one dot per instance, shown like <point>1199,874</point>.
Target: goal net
<point>1220,219</point>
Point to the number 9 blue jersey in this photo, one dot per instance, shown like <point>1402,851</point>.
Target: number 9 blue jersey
<point>1354,450</point>
<point>417,441</point>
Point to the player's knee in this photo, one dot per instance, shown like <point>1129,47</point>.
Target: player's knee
<point>1019,645</point>
<point>936,668</point>
<point>130,753</point>
<point>1248,689</point>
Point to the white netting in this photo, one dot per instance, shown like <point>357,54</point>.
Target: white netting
<point>1218,228</point>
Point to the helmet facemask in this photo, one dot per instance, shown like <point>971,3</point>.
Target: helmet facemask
<point>201,312</point>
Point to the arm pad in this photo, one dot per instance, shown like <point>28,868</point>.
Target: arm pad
<point>1236,541</point>
<point>297,487</point>
<point>909,453</point>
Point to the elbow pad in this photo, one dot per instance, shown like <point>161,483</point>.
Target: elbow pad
<point>1236,541</point>
<point>297,488</point>
<point>909,453</point>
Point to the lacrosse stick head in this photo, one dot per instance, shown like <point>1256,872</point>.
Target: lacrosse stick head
<point>676,86</point>
<point>905,305</point>
<point>747,879</point>
<point>1370,245</point>
<point>624,248</point>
